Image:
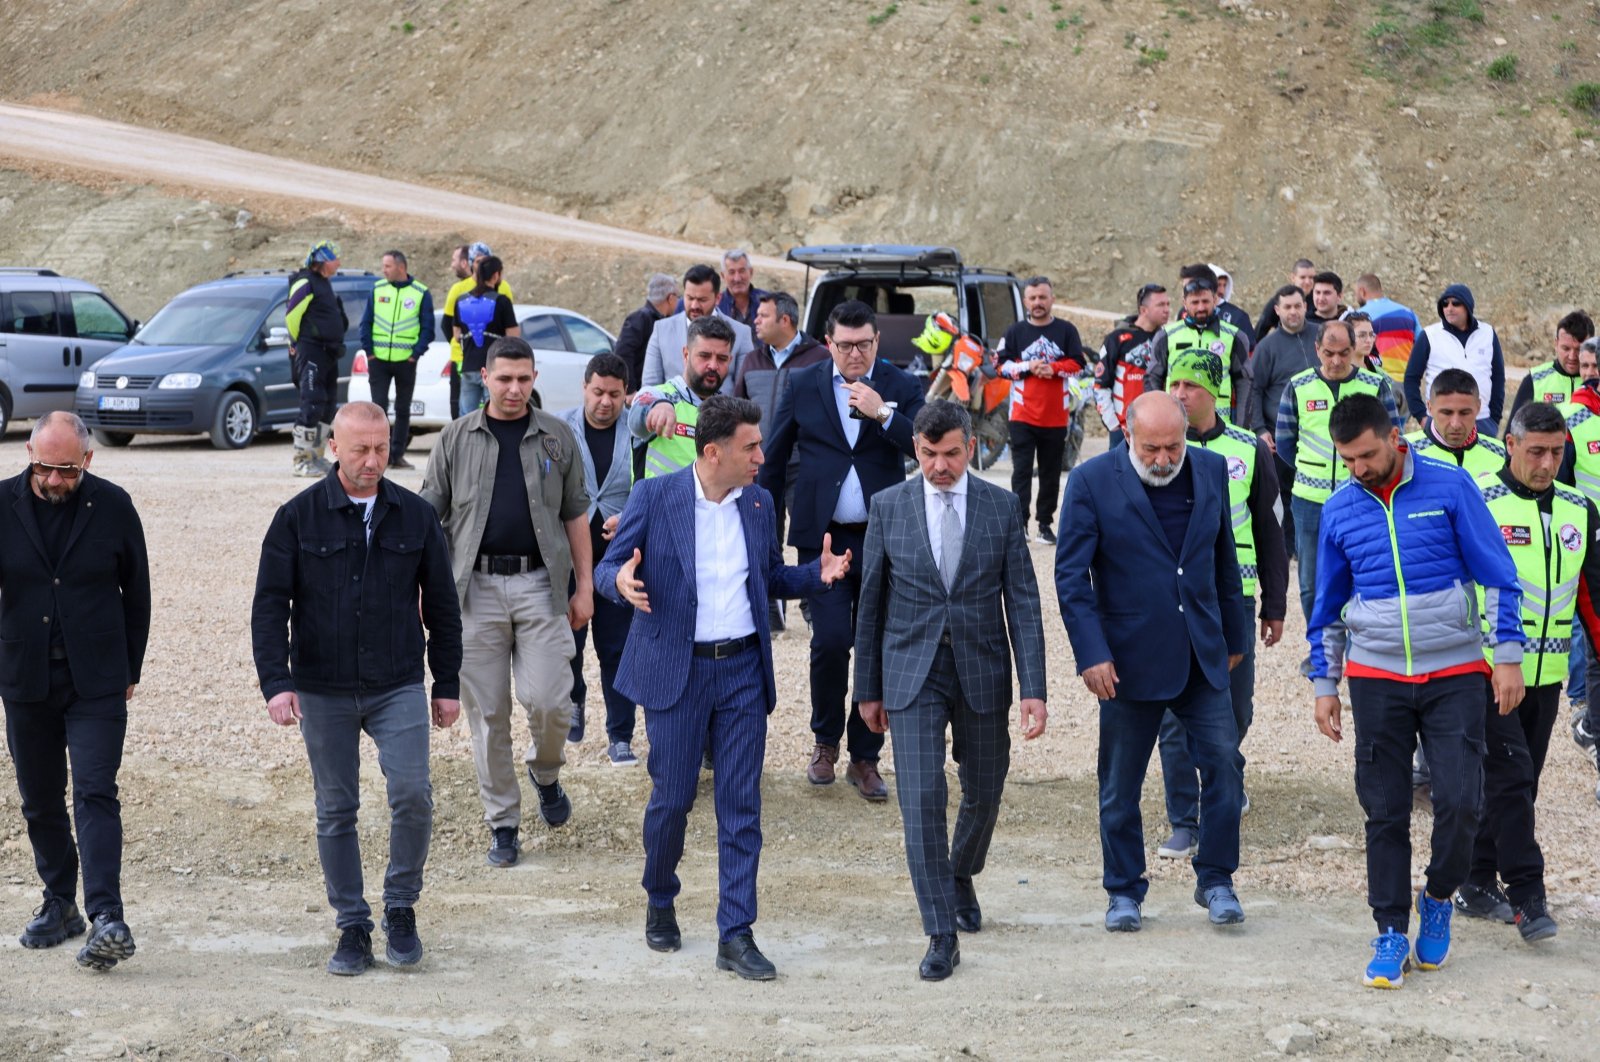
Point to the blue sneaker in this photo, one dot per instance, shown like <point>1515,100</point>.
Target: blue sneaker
<point>1391,958</point>
<point>1433,935</point>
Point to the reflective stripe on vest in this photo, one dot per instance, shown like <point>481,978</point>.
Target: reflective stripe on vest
<point>1484,457</point>
<point>1238,447</point>
<point>1552,385</point>
<point>1584,427</point>
<point>396,320</point>
<point>1549,564</point>
<point>1217,337</point>
<point>1317,468</point>
<point>663,457</point>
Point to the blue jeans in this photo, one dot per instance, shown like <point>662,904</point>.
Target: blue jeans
<point>397,721</point>
<point>1307,522</point>
<point>1177,766</point>
<point>1127,737</point>
<point>473,393</point>
<point>1578,666</point>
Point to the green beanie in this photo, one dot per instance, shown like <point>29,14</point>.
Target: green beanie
<point>1197,366</point>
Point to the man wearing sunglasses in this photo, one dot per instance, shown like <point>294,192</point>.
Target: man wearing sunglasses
<point>74,619</point>
<point>1458,340</point>
<point>1200,329</point>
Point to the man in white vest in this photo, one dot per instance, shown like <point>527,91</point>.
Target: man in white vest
<point>1458,340</point>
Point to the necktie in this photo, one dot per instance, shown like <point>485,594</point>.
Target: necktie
<point>949,539</point>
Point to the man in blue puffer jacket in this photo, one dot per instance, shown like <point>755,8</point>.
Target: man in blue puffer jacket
<point>1403,545</point>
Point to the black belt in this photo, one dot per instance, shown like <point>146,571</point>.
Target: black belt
<point>858,529</point>
<point>490,565</point>
<point>723,650</point>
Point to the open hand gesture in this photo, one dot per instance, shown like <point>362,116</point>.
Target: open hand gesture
<point>632,589</point>
<point>834,565</point>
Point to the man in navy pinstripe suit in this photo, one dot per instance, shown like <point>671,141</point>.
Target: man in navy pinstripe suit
<point>944,553</point>
<point>699,659</point>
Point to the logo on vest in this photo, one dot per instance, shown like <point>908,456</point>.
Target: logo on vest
<point>685,431</point>
<point>1517,536</point>
<point>1316,405</point>
<point>1237,469</point>
<point>1555,396</point>
<point>1217,348</point>
<point>1571,538</point>
<point>410,304</point>
<point>1594,446</point>
<point>384,299</point>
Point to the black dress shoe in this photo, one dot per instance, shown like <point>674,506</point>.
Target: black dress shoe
<point>54,921</point>
<point>944,955</point>
<point>661,929</point>
<point>743,957</point>
<point>969,916</point>
<point>109,942</point>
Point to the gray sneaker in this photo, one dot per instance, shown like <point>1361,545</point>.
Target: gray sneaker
<point>621,754</point>
<point>1183,844</point>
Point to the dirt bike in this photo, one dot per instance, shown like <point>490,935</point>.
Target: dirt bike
<point>1080,404</point>
<point>965,371</point>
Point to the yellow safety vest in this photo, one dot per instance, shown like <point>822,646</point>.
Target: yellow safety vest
<point>663,457</point>
<point>1239,448</point>
<point>1317,468</point>
<point>396,320</point>
<point>1485,456</point>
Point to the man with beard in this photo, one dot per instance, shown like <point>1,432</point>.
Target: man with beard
<point>1201,329</point>
<point>1151,519</point>
<point>664,354</point>
<point>75,606</point>
<point>1397,545</point>
<point>663,415</point>
<point>1556,380</point>
<point>1125,358</point>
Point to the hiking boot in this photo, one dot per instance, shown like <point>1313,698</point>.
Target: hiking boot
<point>1183,844</point>
<point>1534,921</point>
<point>554,807</point>
<point>400,925</point>
<point>109,942</point>
<point>1490,903</point>
<point>1433,934</point>
<point>54,921</point>
<point>1391,959</point>
<point>821,769</point>
<point>353,956</point>
<point>504,847</point>
<point>621,754</point>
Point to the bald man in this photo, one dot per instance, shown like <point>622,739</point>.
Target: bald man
<point>338,643</point>
<point>1150,591</point>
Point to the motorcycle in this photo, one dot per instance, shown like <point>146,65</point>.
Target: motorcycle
<point>965,371</point>
<point>1080,404</point>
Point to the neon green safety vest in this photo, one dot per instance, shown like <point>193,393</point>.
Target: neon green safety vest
<point>1217,337</point>
<point>1584,427</point>
<point>1239,448</point>
<point>1549,562</point>
<point>1317,468</point>
<point>1485,456</point>
<point>662,457</point>
<point>396,320</point>
<point>1552,385</point>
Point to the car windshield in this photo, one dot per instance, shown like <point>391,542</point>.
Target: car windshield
<point>192,320</point>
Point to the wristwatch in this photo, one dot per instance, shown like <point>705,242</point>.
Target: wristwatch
<point>883,415</point>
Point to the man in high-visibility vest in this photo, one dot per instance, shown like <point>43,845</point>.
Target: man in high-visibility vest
<point>1553,533</point>
<point>317,323</point>
<point>1556,380</point>
<point>395,333</point>
<point>1304,443</point>
<point>663,415</point>
<point>1200,329</point>
<point>1195,379</point>
<point>1449,432</point>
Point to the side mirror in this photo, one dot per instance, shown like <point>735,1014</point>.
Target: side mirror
<point>277,337</point>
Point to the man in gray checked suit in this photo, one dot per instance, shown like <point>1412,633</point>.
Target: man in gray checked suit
<point>943,552</point>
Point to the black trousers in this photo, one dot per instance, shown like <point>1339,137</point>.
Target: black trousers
<point>1389,716</point>
<point>1505,846</point>
<point>404,375</point>
<point>44,736</point>
<point>1050,444</point>
<point>833,633</point>
<point>316,375</point>
<point>1285,489</point>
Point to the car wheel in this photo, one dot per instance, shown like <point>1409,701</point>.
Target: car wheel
<point>235,425</point>
<point>112,438</point>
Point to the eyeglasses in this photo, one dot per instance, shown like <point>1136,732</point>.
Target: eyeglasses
<point>1199,284</point>
<point>1455,302</point>
<point>68,472</point>
<point>861,346</point>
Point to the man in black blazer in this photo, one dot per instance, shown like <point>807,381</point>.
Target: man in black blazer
<point>660,299</point>
<point>74,619</point>
<point>945,578</point>
<point>850,419</point>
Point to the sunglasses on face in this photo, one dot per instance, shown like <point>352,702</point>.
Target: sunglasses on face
<point>68,472</point>
<point>1455,302</point>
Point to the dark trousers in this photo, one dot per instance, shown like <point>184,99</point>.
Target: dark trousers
<point>44,736</point>
<point>983,756</point>
<point>833,632</point>
<point>455,391</point>
<point>610,625</point>
<point>316,375</point>
<point>1049,444</point>
<point>404,375</point>
<point>1285,490</point>
<point>1505,846</point>
<point>722,710</point>
<point>1127,737</point>
<point>1178,772</point>
<point>1388,717</point>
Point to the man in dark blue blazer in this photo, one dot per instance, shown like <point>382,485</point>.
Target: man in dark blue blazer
<point>699,659</point>
<point>850,419</point>
<point>1150,592</point>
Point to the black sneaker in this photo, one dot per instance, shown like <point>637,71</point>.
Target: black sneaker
<point>1490,903</point>
<point>503,848</point>
<point>575,728</point>
<point>54,921</point>
<point>1047,536</point>
<point>109,942</point>
<point>400,925</point>
<point>353,956</point>
<point>554,807</point>
<point>1534,921</point>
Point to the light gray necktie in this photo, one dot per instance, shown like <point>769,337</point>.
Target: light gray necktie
<point>949,539</point>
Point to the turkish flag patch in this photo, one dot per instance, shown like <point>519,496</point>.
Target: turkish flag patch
<point>1516,535</point>
<point>1316,405</point>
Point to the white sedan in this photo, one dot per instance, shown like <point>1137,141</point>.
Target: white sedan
<point>563,342</point>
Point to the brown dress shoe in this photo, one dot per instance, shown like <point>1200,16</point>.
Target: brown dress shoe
<point>823,757</point>
<point>868,782</point>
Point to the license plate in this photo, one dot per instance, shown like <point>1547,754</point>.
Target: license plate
<point>418,408</point>
<point>119,401</point>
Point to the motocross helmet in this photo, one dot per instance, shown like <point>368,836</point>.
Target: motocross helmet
<point>325,251</point>
<point>937,334</point>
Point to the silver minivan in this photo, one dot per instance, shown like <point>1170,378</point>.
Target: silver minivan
<point>51,327</point>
